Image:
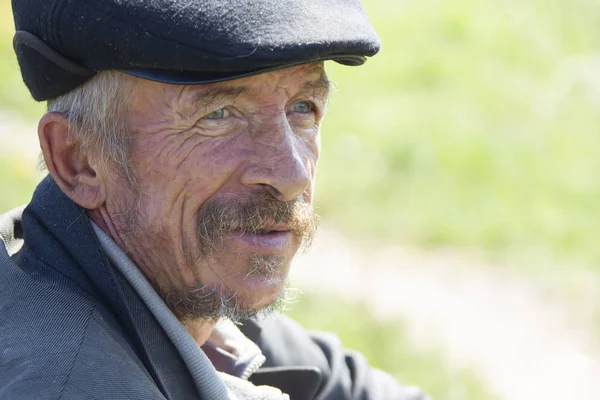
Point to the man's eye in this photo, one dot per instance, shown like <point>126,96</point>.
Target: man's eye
<point>303,107</point>
<point>219,114</point>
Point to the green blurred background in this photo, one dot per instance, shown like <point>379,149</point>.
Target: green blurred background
<point>474,129</point>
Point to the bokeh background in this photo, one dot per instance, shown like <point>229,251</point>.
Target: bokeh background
<point>459,178</point>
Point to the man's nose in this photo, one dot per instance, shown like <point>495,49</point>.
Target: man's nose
<point>281,164</point>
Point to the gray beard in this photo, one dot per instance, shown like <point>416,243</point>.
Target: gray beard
<point>211,303</point>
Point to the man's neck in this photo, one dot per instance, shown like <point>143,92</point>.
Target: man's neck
<point>200,330</point>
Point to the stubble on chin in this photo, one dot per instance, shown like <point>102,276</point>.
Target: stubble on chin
<point>212,303</point>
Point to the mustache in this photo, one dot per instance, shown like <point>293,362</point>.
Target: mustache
<point>256,212</point>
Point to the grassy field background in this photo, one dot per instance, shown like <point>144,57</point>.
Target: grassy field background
<point>476,128</point>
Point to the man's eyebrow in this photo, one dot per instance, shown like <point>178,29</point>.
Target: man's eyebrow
<point>204,98</point>
<point>320,87</point>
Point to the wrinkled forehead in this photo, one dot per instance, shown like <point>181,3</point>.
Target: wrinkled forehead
<point>310,78</point>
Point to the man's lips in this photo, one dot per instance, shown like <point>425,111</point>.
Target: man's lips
<point>270,229</point>
<point>269,240</point>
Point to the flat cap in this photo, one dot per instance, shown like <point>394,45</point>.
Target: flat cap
<point>60,44</point>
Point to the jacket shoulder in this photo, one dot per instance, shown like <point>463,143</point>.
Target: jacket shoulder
<point>56,343</point>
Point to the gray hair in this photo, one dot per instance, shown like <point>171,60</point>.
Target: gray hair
<point>97,113</point>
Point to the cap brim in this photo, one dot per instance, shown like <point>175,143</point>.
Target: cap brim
<point>197,78</point>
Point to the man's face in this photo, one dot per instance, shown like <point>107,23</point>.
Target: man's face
<point>224,191</point>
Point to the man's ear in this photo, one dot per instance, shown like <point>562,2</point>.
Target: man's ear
<point>70,168</point>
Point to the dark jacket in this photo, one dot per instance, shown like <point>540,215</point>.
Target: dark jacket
<point>71,327</point>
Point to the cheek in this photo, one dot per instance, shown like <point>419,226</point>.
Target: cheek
<point>176,179</point>
<point>312,152</point>
<point>313,164</point>
<point>311,143</point>
<point>318,145</point>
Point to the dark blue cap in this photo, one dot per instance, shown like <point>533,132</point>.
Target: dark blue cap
<point>60,44</point>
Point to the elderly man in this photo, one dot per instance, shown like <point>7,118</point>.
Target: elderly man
<point>182,139</point>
